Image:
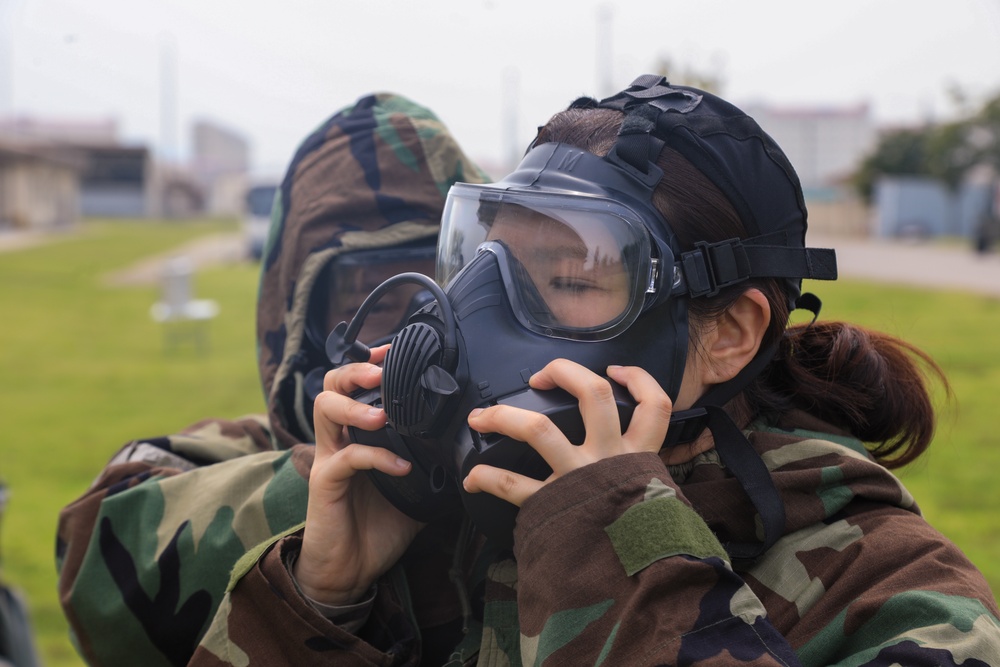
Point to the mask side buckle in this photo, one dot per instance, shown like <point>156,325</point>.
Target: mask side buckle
<point>686,426</point>
<point>712,266</point>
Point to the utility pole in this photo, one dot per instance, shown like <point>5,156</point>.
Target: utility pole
<point>510,106</point>
<point>605,52</point>
<point>168,98</point>
<point>9,11</point>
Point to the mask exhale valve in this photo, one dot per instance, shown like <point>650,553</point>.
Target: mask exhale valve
<point>417,383</point>
<point>431,384</point>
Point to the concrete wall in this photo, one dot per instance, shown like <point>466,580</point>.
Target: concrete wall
<point>36,194</point>
<point>923,207</point>
<point>848,216</point>
<point>109,201</point>
<point>116,181</point>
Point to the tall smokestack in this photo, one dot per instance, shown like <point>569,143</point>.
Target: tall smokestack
<point>168,98</point>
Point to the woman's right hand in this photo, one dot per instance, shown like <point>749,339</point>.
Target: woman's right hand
<point>352,533</point>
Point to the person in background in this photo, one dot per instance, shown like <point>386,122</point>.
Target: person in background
<point>17,642</point>
<point>744,514</point>
<point>144,556</point>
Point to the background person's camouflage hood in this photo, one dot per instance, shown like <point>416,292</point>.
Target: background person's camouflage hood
<point>375,174</point>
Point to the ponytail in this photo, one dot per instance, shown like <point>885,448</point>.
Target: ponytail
<point>871,384</point>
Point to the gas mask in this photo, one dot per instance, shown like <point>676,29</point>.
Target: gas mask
<point>347,280</point>
<point>555,261</point>
<point>567,257</point>
<point>338,291</point>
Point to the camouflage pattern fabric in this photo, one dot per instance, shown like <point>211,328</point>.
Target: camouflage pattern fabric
<point>376,174</point>
<point>620,563</point>
<point>145,554</point>
<point>179,552</point>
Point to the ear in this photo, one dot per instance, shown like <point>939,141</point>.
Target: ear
<point>735,339</point>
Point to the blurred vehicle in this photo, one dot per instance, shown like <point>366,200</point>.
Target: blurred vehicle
<point>987,232</point>
<point>257,217</point>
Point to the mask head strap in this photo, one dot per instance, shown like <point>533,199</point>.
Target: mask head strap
<point>643,102</point>
<point>649,103</point>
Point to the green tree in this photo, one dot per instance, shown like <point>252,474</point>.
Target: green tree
<point>945,151</point>
<point>899,152</point>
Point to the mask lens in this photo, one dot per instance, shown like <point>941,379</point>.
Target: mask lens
<point>577,267</point>
<point>354,275</point>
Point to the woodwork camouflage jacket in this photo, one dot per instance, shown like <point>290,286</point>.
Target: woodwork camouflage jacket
<point>619,563</point>
<point>179,553</point>
<point>145,554</point>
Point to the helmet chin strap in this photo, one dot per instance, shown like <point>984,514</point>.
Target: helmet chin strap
<point>735,450</point>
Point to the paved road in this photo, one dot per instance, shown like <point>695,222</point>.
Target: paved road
<point>202,252</point>
<point>18,240</point>
<point>932,265</point>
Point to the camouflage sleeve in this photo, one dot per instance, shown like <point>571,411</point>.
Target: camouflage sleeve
<point>264,620</point>
<point>145,554</point>
<point>878,588</point>
<point>868,581</point>
<point>630,574</point>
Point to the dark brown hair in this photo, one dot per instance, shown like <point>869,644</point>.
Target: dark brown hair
<point>870,384</point>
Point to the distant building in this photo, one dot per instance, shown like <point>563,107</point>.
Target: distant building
<point>85,131</point>
<point>114,178</point>
<point>39,186</point>
<point>115,181</point>
<point>124,180</point>
<point>178,193</point>
<point>921,207</point>
<point>220,160</point>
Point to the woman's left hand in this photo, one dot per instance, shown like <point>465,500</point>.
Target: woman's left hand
<point>646,431</point>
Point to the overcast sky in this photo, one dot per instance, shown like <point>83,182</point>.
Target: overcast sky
<point>274,70</point>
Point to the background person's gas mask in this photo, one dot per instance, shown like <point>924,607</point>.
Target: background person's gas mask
<point>337,292</point>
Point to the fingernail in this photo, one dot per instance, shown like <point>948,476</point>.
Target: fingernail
<point>401,463</point>
<point>374,412</point>
<point>475,412</point>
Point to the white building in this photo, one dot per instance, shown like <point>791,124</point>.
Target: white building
<point>220,160</point>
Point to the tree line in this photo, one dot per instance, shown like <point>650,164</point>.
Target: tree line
<point>943,151</point>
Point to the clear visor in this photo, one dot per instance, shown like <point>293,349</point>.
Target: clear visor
<point>354,275</point>
<point>575,266</point>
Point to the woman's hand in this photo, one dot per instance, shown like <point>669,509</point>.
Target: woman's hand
<point>352,534</point>
<point>646,432</point>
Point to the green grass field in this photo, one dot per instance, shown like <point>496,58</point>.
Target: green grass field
<point>84,369</point>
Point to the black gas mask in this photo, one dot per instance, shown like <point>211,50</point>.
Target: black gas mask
<point>338,291</point>
<point>567,257</point>
<point>555,261</point>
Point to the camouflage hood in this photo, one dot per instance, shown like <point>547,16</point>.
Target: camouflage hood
<point>375,174</point>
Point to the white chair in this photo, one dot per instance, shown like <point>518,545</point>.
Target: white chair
<point>181,315</point>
